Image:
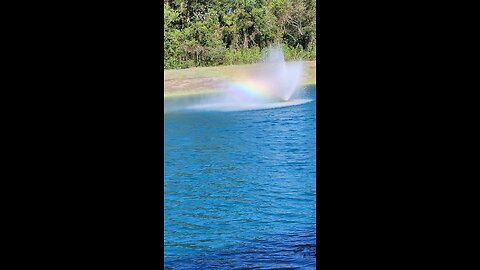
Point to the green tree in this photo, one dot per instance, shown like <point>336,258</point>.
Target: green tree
<point>208,32</point>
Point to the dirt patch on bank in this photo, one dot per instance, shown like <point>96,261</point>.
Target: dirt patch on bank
<point>194,84</point>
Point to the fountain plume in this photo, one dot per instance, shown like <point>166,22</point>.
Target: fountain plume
<point>271,83</point>
<point>272,79</point>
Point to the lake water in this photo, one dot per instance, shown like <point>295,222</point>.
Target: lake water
<point>240,188</point>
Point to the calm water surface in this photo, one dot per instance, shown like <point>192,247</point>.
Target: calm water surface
<point>240,189</point>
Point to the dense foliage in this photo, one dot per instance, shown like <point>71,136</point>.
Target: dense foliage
<point>224,32</point>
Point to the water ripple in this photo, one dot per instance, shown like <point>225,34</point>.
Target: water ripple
<point>240,189</point>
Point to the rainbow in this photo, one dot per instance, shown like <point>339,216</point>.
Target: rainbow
<point>252,89</point>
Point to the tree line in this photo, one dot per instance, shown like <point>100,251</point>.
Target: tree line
<point>225,32</point>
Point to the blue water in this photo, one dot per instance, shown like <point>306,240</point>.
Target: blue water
<point>240,189</point>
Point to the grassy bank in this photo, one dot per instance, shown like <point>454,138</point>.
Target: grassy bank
<point>201,80</point>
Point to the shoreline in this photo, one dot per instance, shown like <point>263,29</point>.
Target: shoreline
<point>207,80</point>
<point>193,92</point>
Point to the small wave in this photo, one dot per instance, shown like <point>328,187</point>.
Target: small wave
<point>229,107</point>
